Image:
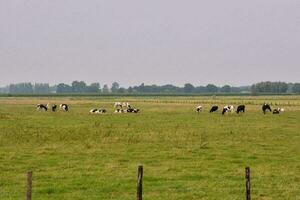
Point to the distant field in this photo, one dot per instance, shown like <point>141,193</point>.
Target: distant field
<point>77,155</point>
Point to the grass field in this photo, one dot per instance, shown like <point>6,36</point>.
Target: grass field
<point>77,155</point>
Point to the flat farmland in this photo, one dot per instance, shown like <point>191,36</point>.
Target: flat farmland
<point>78,155</point>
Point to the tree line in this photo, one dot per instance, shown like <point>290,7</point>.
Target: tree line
<point>80,87</point>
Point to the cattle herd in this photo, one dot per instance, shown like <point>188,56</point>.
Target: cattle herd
<point>53,107</point>
<point>125,107</point>
<point>240,108</point>
<point>120,107</point>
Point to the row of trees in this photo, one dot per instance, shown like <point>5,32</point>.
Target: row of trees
<point>82,87</point>
<point>275,87</point>
<point>29,88</point>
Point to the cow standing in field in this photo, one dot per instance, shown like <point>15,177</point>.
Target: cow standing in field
<point>213,109</point>
<point>266,107</point>
<point>53,107</point>
<point>64,107</point>
<point>240,108</point>
<point>126,105</point>
<point>228,108</point>
<point>41,107</point>
<point>118,105</point>
<point>122,105</point>
<point>199,109</point>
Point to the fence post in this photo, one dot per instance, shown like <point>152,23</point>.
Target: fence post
<point>29,185</point>
<point>139,193</point>
<point>247,176</point>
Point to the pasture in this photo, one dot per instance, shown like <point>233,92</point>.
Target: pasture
<point>77,155</point>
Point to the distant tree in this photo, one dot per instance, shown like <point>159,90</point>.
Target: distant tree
<point>200,89</point>
<point>141,88</point>
<point>130,90</point>
<point>270,87</point>
<point>122,90</point>
<point>41,88</point>
<point>188,88</point>
<point>79,86</point>
<point>93,88</point>
<point>21,88</point>
<point>226,89</point>
<point>64,88</point>
<point>52,89</point>
<point>296,88</point>
<point>212,88</point>
<point>115,87</point>
<point>105,89</point>
<point>169,88</point>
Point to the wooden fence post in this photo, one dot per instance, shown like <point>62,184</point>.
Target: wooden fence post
<point>247,176</point>
<point>139,192</point>
<point>29,185</point>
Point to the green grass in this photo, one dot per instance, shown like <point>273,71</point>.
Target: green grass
<point>76,155</point>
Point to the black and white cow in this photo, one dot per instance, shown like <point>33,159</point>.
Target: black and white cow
<point>98,111</point>
<point>126,105</point>
<point>122,105</point>
<point>240,108</point>
<point>118,110</point>
<point>228,108</point>
<point>199,109</point>
<point>133,110</point>
<point>266,107</point>
<point>214,109</point>
<point>118,105</point>
<point>42,107</point>
<point>53,107</point>
<point>64,107</point>
<point>278,110</point>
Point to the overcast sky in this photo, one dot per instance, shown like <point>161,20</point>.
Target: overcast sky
<point>232,42</point>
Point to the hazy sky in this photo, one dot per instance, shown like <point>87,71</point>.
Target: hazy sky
<point>236,42</point>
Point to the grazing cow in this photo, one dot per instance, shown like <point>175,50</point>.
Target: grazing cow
<point>240,108</point>
<point>126,105</point>
<point>122,105</point>
<point>118,104</point>
<point>228,108</point>
<point>278,110</point>
<point>64,107</point>
<point>98,111</point>
<point>118,110</point>
<point>133,110</point>
<point>41,107</point>
<point>213,109</point>
<point>199,109</point>
<point>266,107</point>
<point>53,107</point>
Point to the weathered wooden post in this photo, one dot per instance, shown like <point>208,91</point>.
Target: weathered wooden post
<point>247,176</point>
<point>29,185</point>
<point>139,192</point>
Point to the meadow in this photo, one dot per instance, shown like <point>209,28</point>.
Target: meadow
<point>77,155</point>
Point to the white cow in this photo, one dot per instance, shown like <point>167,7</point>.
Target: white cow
<point>228,108</point>
<point>64,107</point>
<point>118,104</point>
<point>199,108</point>
<point>122,105</point>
